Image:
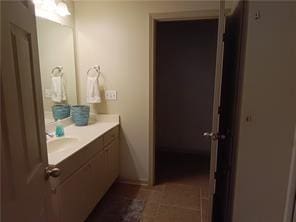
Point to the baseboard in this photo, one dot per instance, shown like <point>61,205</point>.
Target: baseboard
<point>133,182</point>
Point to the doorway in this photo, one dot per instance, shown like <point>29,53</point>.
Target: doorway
<point>185,58</point>
<point>184,81</point>
<point>214,134</point>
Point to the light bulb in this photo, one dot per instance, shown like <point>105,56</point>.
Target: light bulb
<point>62,9</point>
<point>37,2</point>
<point>49,5</point>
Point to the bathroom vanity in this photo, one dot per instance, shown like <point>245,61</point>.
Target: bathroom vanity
<point>88,158</point>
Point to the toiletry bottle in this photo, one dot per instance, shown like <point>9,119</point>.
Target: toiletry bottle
<point>59,129</point>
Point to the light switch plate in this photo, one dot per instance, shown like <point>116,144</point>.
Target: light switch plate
<point>111,95</point>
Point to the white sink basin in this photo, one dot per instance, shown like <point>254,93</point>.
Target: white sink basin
<point>60,144</point>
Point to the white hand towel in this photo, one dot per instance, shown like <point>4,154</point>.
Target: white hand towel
<point>93,90</point>
<point>58,93</point>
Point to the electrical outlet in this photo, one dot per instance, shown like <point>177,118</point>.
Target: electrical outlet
<point>111,95</point>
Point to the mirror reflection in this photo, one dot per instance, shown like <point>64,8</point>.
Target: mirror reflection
<point>57,67</point>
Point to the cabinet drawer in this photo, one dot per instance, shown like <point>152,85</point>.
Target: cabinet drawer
<point>76,161</point>
<point>110,136</point>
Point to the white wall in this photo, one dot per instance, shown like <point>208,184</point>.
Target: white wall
<point>268,96</point>
<point>115,35</point>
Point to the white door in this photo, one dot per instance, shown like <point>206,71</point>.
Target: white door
<point>214,134</point>
<point>23,144</point>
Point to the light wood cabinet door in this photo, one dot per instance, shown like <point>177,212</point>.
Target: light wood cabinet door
<point>113,160</point>
<point>79,194</point>
<point>99,175</point>
<point>73,196</point>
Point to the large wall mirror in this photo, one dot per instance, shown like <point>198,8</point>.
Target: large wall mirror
<point>57,65</point>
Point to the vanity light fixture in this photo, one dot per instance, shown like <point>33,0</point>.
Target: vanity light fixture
<point>62,9</point>
<point>49,8</point>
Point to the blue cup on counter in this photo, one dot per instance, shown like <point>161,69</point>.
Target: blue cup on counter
<point>60,111</point>
<point>80,115</point>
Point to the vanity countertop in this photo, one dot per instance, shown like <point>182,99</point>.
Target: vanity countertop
<point>99,124</point>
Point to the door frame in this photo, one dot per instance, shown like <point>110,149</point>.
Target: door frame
<point>153,19</point>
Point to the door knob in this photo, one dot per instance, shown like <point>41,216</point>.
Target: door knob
<point>208,134</point>
<point>214,136</point>
<point>52,171</point>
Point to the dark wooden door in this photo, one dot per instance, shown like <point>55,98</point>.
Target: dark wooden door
<point>230,91</point>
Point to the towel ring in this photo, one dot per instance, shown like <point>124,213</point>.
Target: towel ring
<point>96,68</point>
<point>59,72</point>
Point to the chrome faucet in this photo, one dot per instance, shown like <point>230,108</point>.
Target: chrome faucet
<point>49,134</point>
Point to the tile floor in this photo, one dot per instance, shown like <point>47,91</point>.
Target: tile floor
<point>180,196</point>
